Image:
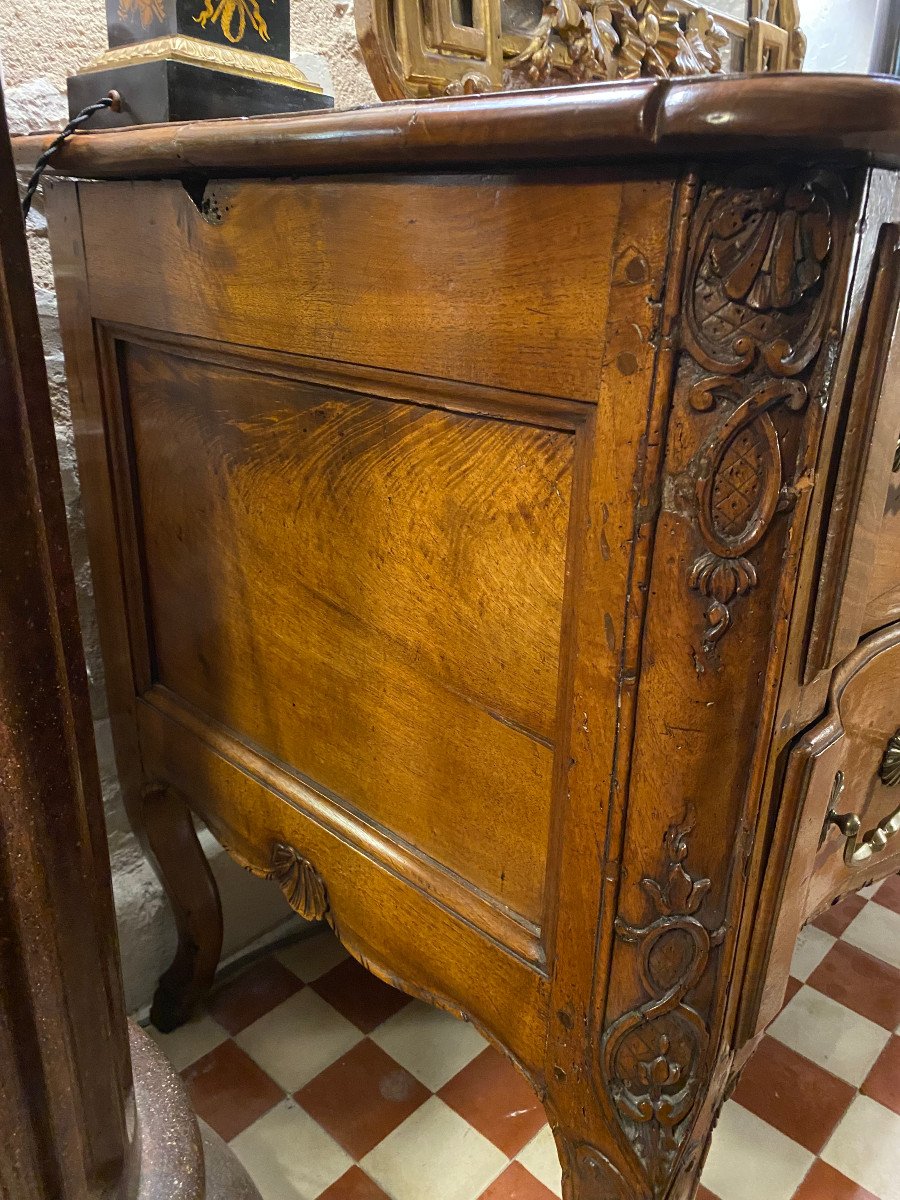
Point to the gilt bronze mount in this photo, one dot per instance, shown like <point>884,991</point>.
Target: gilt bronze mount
<point>178,60</point>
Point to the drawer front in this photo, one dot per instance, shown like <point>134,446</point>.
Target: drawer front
<point>860,577</point>
<point>884,582</point>
<point>855,773</point>
<point>840,800</point>
<point>849,768</point>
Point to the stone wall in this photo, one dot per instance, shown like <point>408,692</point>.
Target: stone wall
<point>40,43</point>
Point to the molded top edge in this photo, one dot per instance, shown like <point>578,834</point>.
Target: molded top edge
<point>848,116</point>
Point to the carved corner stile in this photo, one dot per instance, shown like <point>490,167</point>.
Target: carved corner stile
<point>755,307</point>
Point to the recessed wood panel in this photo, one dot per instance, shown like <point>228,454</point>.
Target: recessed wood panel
<point>369,590</point>
<point>481,279</point>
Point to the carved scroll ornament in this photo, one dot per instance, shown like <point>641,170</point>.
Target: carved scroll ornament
<point>654,1056</point>
<point>755,308</point>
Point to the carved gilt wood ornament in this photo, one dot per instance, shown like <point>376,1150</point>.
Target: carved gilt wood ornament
<point>755,306</point>
<point>653,1057</point>
<point>424,48</point>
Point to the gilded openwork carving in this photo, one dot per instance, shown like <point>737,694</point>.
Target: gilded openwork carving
<point>755,306</point>
<point>435,47</point>
<point>654,1056</point>
<point>618,39</point>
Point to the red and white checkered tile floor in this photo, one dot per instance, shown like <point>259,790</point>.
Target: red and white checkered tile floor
<point>332,1086</point>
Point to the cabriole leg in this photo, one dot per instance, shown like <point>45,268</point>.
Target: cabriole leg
<point>194,896</point>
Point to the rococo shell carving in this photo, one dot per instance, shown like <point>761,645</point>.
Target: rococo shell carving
<point>755,291</point>
<point>303,886</point>
<point>301,883</point>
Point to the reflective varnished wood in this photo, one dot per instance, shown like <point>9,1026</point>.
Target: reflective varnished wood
<point>473,542</point>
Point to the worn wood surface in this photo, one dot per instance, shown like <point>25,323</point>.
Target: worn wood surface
<point>651,119</point>
<point>462,540</point>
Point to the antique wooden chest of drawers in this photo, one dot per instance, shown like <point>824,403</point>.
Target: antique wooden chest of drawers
<point>495,522</point>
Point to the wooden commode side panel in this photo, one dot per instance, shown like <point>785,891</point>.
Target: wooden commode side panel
<point>369,591</point>
<point>481,279</point>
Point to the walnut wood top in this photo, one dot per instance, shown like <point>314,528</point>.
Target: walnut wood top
<point>853,117</point>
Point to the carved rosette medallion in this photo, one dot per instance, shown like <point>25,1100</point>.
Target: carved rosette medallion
<point>653,1056</point>
<point>755,308</point>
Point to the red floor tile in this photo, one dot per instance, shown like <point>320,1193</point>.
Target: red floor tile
<point>229,1091</point>
<point>835,920</point>
<point>359,996</point>
<point>253,993</point>
<point>491,1094</point>
<point>779,1085</point>
<point>825,1183</point>
<point>355,1185</point>
<point>859,981</point>
<point>883,1082</point>
<point>362,1098</point>
<point>517,1184</point>
<point>889,893</point>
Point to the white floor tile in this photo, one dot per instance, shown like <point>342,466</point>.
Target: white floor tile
<point>434,1154</point>
<point>869,892</point>
<point>312,957</point>
<point>289,1156</point>
<point>750,1160</point>
<point>812,946</point>
<point>298,1039</point>
<point>431,1044</point>
<point>877,931</point>
<point>866,1148</point>
<point>833,1036</point>
<point>185,1045</point>
<point>541,1158</point>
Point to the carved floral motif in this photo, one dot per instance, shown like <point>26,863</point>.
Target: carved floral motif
<point>654,1055</point>
<point>622,39</point>
<point>754,313</point>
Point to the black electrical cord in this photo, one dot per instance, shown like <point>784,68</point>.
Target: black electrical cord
<point>113,101</point>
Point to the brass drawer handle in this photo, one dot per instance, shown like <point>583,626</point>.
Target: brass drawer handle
<point>856,851</point>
